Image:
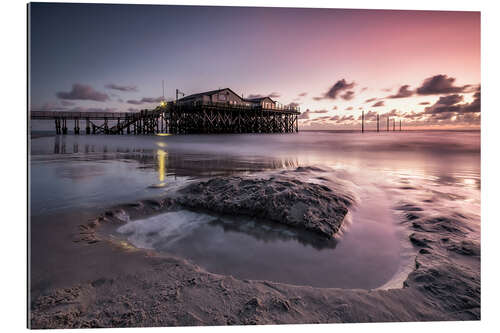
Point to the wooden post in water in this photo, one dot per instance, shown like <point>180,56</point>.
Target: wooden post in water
<point>378,128</point>
<point>77,126</point>
<point>388,123</point>
<point>64,129</point>
<point>87,126</point>
<point>400,125</point>
<point>58,126</point>
<point>362,121</point>
<point>393,125</point>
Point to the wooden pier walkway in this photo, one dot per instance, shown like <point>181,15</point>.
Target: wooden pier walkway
<point>172,118</point>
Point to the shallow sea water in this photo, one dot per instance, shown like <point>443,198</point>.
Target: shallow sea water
<point>77,173</point>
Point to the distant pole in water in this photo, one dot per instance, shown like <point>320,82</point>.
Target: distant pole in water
<point>362,121</point>
<point>400,125</point>
<point>378,129</point>
<point>393,125</point>
<point>388,124</point>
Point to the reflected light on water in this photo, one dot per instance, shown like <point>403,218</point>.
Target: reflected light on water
<point>161,155</point>
<point>468,181</point>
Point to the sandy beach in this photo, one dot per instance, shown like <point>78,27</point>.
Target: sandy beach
<point>91,276</point>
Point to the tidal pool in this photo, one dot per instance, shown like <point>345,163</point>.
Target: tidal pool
<point>367,256</point>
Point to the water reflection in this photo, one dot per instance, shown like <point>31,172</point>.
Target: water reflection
<point>251,249</point>
<point>436,159</point>
<point>78,172</point>
<point>167,163</point>
<point>161,165</point>
<point>268,232</point>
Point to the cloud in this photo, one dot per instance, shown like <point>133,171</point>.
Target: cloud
<point>324,118</point>
<point>339,87</point>
<point>403,92</point>
<point>66,103</point>
<point>349,108</point>
<point>440,84</point>
<point>83,92</point>
<point>450,104</point>
<point>370,100</point>
<point>392,113</point>
<point>450,99</point>
<point>303,94</point>
<point>335,107</point>
<point>305,115</point>
<point>293,104</point>
<point>412,115</point>
<point>379,103</point>
<point>48,107</point>
<point>145,100</point>
<point>132,110</point>
<point>338,119</point>
<point>369,116</point>
<point>348,95</point>
<point>320,111</point>
<point>424,103</point>
<point>121,88</point>
<point>252,96</point>
<point>91,109</point>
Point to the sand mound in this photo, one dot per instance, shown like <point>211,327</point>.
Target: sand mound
<point>282,199</point>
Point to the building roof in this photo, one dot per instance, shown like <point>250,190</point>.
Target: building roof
<point>207,93</point>
<point>258,99</point>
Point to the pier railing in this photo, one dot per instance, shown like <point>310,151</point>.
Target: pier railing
<point>79,115</point>
<point>180,118</point>
<point>241,106</point>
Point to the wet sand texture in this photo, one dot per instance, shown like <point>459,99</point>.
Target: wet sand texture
<point>160,290</point>
<point>282,199</point>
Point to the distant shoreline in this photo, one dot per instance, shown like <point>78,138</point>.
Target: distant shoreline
<point>382,131</point>
<point>34,134</point>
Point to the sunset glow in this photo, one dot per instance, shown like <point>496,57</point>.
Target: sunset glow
<point>420,67</point>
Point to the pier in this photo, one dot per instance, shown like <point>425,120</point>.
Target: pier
<point>197,117</point>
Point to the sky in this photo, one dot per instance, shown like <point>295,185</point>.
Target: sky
<point>420,67</point>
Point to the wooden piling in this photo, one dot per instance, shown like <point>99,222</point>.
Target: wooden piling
<point>76,128</point>
<point>182,119</point>
<point>58,125</point>
<point>362,121</point>
<point>64,128</point>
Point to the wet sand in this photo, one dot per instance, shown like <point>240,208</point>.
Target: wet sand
<point>83,277</point>
<point>115,284</point>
